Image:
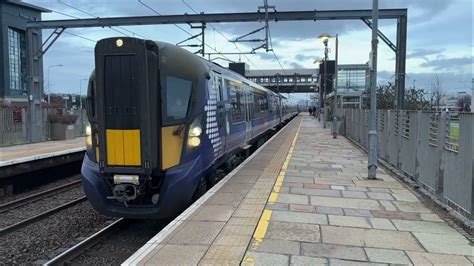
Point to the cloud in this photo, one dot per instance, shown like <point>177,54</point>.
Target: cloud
<point>296,66</point>
<point>303,57</point>
<point>451,81</point>
<point>447,64</point>
<point>423,53</point>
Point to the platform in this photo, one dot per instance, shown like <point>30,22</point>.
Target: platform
<point>41,150</point>
<point>26,158</point>
<point>303,199</point>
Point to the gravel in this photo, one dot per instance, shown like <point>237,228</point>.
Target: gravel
<point>42,240</point>
<point>117,247</point>
<point>34,208</point>
<point>35,190</point>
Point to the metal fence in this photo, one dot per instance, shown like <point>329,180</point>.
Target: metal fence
<point>436,149</point>
<point>14,127</point>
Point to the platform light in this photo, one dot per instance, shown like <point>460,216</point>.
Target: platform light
<point>119,42</point>
<point>324,37</point>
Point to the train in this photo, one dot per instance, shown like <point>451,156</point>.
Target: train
<point>165,124</point>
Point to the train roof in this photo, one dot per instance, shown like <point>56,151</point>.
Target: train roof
<point>170,49</point>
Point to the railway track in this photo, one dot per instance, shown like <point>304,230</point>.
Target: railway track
<point>110,245</point>
<point>37,196</point>
<point>18,204</point>
<point>82,246</point>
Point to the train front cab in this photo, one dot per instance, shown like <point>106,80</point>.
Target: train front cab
<point>145,108</point>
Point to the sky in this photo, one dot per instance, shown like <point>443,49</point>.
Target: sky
<point>440,37</point>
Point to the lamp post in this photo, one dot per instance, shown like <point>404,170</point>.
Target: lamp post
<point>320,89</point>
<point>49,90</point>
<point>372,162</point>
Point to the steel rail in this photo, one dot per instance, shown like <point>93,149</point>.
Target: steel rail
<point>40,216</point>
<point>37,196</point>
<point>78,249</point>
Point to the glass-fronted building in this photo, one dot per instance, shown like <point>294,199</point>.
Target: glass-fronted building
<point>13,62</point>
<point>352,82</point>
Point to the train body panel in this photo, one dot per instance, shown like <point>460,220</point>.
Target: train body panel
<point>162,120</point>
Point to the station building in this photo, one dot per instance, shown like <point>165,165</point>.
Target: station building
<point>14,15</point>
<point>352,83</point>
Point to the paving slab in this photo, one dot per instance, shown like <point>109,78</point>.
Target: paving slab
<point>370,238</point>
<point>293,231</point>
<point>424,227</point>
<point>177,254</point>
<point>382,223</point>
<point>305,260</point>
<point>445,244</point>
<point>349,221</point>
<point>276,246</point>
<point>329,210</point>
<point>333,251</point>
<point>299,217</point>
<point>365,204</point>
<point>264,259</point>
<point>387,256</point>
<point>424,258</point>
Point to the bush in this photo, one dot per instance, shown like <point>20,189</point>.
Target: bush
<point>62,119</point>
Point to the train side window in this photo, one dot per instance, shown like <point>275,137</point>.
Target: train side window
<point>176,100</point>
<point>236,102</point>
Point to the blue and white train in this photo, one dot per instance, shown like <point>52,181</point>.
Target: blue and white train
<point>163,123</point>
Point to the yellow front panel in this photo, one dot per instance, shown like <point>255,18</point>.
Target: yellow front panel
<point>123,147</point>
<point>119,156</point>
<point>110,134</point>
<point>137,147</point>
<point>131,146</point>
<point>171,146</point>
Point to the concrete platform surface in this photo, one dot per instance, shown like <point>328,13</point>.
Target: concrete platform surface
<point>304,200</point>
<point>34,151</point>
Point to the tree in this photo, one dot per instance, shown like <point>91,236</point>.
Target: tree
<point>385,96</point>
<point>414,98</point>
<point>437,92</point>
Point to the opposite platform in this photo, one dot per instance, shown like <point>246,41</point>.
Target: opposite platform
<point>303,199</point>
<point>41,150</point>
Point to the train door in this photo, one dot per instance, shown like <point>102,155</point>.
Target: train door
<point>222,115</point>
<point>248,112</point>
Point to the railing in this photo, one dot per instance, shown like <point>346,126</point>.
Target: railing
<point>14,127</point>
<point>435,149</point>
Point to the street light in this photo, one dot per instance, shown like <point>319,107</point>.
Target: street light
<point>325,38</point>
<point>49,90</point>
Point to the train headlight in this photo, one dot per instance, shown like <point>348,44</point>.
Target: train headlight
<point>194,141</point>
<point>195,131</point>
<point>89,146</point>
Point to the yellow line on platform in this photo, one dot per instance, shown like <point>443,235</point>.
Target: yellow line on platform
<point>262,225</point>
